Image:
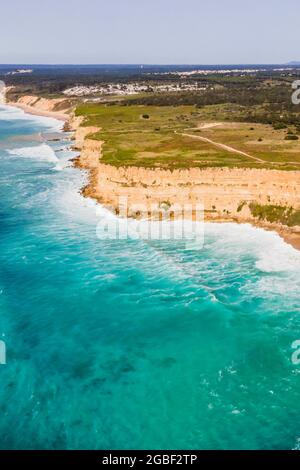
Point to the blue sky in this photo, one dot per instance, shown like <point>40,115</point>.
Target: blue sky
<point>149,31</point>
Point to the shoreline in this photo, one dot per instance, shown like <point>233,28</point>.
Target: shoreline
<point>103,193</point>
<point>40,106</point>
<point>38,112</point>
<point>88,160</point>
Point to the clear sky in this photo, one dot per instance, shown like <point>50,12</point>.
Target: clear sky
<point>149,31</point>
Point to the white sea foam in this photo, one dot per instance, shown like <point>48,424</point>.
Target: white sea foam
<point>11,113</point>
<point>41,152</point>
<point>297,444</point>
<point>228,241</point>
<point>278,257</point>
<point>271,252</point>
<point>68,200</point>
<point>59,167</point>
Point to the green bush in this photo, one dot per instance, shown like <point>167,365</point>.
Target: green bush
<point>278,214</point>
<point>279,125</point>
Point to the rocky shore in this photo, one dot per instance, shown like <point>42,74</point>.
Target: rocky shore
<point>225,193</point>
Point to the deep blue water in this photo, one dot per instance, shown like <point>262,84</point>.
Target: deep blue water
<point>133,344</point>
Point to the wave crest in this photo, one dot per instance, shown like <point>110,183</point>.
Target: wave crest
<point>41,152</point>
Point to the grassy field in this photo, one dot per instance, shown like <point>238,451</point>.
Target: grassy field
<point>151,136</point>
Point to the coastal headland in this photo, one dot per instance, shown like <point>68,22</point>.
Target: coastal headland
<point>234,183</point>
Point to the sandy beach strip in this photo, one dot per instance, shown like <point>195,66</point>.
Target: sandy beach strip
<point>39,112</point>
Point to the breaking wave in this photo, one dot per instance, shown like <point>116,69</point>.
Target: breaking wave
<point>41,152</point>
<point>11,113</point>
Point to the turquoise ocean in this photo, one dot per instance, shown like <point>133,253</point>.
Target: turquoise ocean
<point>131,344</point>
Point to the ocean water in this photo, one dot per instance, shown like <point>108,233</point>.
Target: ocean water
<point>131,344</point>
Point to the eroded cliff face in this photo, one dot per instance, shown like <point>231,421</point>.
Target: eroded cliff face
<point>225,193</point>
<point>222,191</point>
<point>57,108</point>
<point>39,103</point>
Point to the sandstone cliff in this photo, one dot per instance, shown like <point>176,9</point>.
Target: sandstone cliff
<point>57,108</point>
<point>225,193</point>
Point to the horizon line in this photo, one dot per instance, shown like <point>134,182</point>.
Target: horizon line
<point>141,64</point>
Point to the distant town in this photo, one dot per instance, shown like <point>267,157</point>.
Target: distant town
<point>19,72</point>
<point>236,71</point>
<point>131,89</point>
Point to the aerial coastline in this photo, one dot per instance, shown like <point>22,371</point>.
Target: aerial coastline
<point>149,230</point>
<point>107,182</point>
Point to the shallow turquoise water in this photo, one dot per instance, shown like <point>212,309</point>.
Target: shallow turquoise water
<point>128,344</point>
